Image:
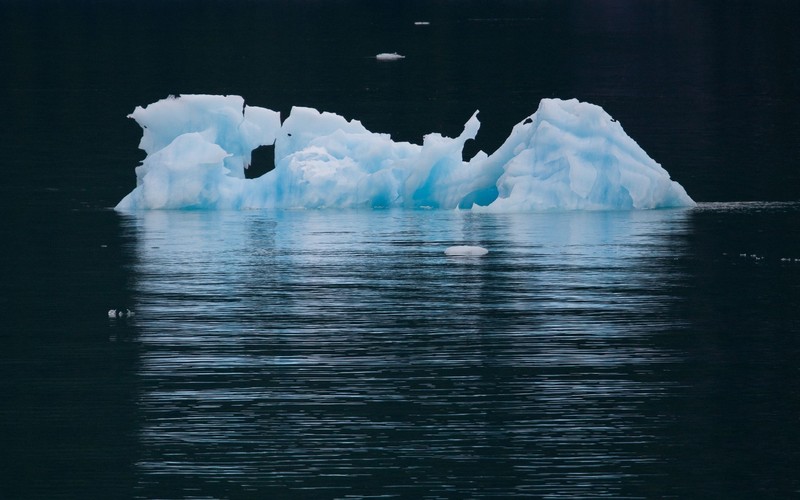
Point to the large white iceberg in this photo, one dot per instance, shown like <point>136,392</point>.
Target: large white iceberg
<point>567,155</point>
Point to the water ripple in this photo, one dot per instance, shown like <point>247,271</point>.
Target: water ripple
<point>342,354</point>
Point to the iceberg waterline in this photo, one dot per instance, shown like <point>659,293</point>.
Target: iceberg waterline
<point>567,155</point>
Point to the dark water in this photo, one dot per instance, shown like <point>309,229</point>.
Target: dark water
<point>335,354</point>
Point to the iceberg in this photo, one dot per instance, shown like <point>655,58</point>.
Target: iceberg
<point>568,155</point>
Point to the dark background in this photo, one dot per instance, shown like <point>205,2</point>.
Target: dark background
<point>706,88</point>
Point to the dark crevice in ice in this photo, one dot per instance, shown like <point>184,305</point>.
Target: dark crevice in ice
<point>262,160</point>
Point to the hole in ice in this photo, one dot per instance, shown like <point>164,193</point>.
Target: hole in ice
<point>262,160</point>
<point>470,149</point>
<point>466,251</point>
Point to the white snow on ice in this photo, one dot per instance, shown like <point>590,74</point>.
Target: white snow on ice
<point>567,155</point>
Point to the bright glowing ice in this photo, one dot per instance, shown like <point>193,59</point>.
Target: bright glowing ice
<point>567,155</point>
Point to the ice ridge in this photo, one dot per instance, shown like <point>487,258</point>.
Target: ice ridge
<point>568,155</point>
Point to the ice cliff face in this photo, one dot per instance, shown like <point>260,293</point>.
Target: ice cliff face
<point>567,155</point>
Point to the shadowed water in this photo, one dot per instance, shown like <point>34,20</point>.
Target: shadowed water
<point>328,354</point>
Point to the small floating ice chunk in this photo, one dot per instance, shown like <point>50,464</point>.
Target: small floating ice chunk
<point>120,313</point>
<point>389,56</point>
<point>466,251</point>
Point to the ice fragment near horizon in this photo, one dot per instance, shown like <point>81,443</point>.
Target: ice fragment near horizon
<point>567,155</point>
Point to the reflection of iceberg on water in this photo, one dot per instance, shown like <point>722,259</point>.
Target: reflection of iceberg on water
<point>567,155</point>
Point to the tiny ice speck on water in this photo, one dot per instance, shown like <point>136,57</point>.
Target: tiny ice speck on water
<point>120,313</point>
<point>389,56</point>
<point>466,251</point>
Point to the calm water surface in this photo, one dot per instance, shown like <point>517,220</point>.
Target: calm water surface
<point>328,354</point>
<point>345,354</point>
<point>341,353</point>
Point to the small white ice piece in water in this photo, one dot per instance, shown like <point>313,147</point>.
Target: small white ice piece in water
<point>466,251</point>
<point>386,56</point>
<point>120,313</point>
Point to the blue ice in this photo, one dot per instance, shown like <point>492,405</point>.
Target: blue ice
<point>568,155</point>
